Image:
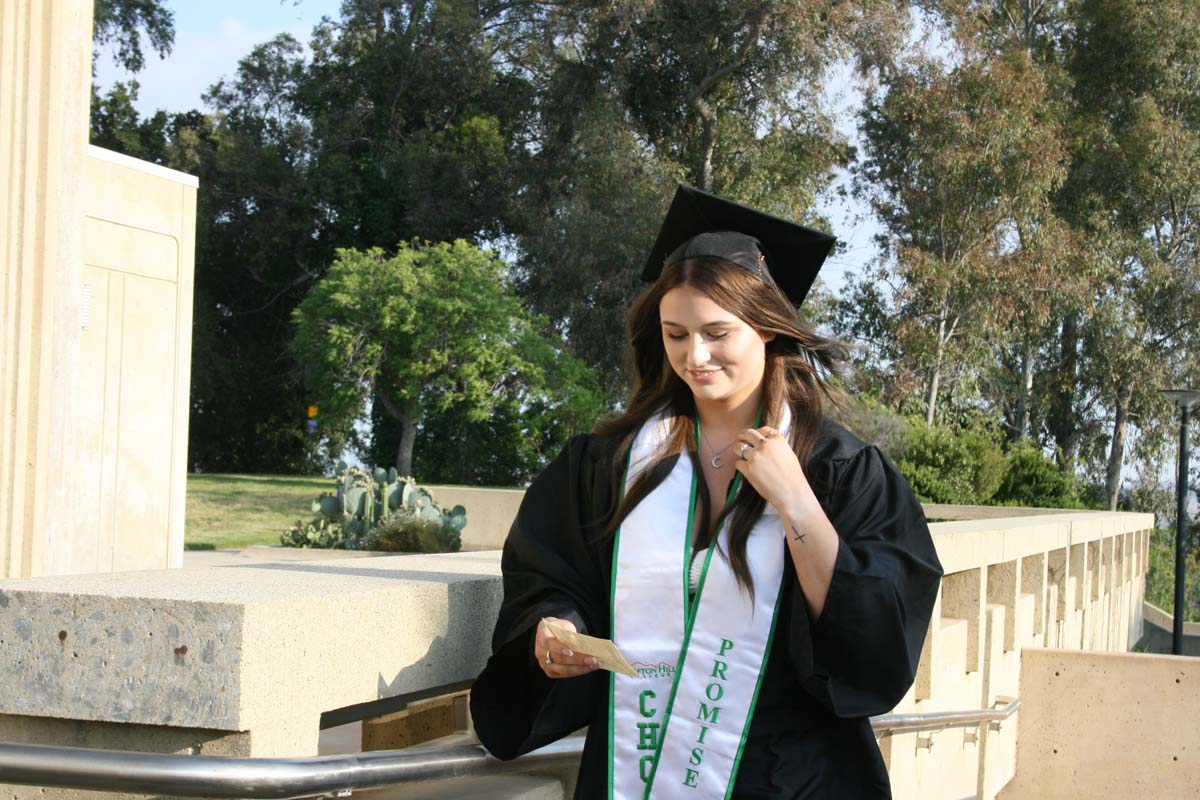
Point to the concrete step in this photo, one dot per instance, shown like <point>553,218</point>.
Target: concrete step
<point>484,787</point>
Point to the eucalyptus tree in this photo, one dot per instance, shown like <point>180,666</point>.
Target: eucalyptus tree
<point>1049,267</point>
<point>1135,186</point>
<point>956,157</point>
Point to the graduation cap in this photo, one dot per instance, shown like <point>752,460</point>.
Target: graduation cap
<point>702,224</point>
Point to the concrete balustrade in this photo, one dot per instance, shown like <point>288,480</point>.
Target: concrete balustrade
<point>1061,580</point>
<point>243,659</point>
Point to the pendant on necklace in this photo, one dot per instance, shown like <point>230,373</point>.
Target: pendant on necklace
<point>716,461</point>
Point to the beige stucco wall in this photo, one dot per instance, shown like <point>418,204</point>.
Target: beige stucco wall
<point>45,76</point>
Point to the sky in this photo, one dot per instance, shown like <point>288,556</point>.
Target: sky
<point>211,37</point>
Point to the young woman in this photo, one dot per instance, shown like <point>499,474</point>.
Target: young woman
<point>768,575</point>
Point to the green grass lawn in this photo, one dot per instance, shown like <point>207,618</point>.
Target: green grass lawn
<point>233,511</point>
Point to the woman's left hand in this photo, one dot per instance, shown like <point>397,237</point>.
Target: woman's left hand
<point>769,463</point>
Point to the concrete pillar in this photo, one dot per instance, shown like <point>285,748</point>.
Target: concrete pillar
<point>45,80</point>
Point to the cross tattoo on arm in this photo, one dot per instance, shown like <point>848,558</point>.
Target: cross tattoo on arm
<point>799,537</point>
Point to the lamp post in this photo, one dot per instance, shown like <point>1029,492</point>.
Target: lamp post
<point>1185,399</point>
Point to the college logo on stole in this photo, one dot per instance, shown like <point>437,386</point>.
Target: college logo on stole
<point>679,730</point>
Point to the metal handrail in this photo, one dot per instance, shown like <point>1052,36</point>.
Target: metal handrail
<point>911,723</point>
<point>287,778</point>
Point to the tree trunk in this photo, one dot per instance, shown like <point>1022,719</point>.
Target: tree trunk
<point>708,115</point>
<point>935,376</point>
<point>1026,393</point>
<point>407,415</point>
<point>1064,426</point>
<point>707,145</point>
<point>408,436</point>
<point>1116,455</point>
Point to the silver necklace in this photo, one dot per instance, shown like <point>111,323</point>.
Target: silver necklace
<point>716,459</point>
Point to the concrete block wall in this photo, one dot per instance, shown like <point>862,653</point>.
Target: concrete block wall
<point>96,262</point>
<point>135,345</point>
<point>1102,724</point>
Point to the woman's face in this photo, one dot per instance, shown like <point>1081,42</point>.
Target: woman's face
<point>718,355</point>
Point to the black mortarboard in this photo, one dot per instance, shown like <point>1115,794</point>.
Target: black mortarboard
<point>702,224</point>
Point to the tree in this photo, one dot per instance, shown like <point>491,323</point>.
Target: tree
<point>121,22</point>
<point>416,131</point>
<point>434,327</point>
<point>633,97</point>
<point>958,164</point>
<point>1135,187</point>
<point>116,125</point>
<point>260,242</point>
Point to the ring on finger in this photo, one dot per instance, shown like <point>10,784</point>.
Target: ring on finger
<point>548,661</point>
<point>743,448</point>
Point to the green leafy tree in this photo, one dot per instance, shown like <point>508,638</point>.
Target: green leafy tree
<point>116,125</point>
<point>416,130</point>
<point>397,127</point>
<point>434,327</point>
<point>261,241</point>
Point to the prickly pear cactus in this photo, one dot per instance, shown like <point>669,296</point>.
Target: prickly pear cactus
<point>365,498</point>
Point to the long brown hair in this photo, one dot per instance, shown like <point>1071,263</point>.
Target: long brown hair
<point>798,363</point>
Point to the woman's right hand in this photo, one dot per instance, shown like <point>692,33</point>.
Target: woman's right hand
<point>561,662</point>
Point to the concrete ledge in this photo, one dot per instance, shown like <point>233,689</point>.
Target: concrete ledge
<point>245,657</point>
<point>947,511</point>
<point>255,648</point>
<point>972,544</point>
<point>490,513</point>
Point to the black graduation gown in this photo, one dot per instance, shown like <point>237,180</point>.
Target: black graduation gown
<point>810,736</point>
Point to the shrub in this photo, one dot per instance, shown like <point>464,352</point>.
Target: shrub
<point>944,465</point>
<point>1031,479</point>
<point>402,532</point>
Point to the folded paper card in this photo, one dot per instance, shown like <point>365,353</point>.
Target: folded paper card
<point>604,651</point>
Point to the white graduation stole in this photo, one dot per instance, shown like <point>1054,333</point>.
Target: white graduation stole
<point>679,731</point>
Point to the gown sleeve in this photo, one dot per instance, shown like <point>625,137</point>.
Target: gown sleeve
<point>550,570</point>
<point>859,657</point>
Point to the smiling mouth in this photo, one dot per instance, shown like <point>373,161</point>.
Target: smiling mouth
<point>704,373</point>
